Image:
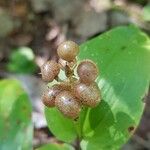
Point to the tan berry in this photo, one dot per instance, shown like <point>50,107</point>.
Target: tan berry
<point>50,70</point>
<point>87,71</point>
<point>66,86</point>
<point>89,95</point>
<point>48,97</point>
<point>68,50</point>
<point>67,104</point>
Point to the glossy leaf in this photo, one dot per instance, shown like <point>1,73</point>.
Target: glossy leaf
<point>62,127</point>
<point>56,147</point>
<point>15,117</point>
<point>123,58</point>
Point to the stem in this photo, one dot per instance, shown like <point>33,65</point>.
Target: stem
<point>78,129</point>
<point>69,72</point>
<point>58,79</point>
<point>77,146</point>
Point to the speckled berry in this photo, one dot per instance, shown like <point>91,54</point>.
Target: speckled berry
<point>48,97</point>
<point>87,71</point>
<point>50,70</point>
<point>67,104</point>
<point>89,95</point>
<point>66,86</point>
<point>68,50</point>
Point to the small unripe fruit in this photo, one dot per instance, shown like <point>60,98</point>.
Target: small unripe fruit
<point>68,50</point>
<point>50,70</point>
<point>48,97</point>
<point>87,71</point>
<point>89,95</point>
<point>65,86</point>
<point>67,104</point>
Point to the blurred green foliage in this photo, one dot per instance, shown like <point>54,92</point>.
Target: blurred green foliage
<point>21,60</point>
<point>16,129</point>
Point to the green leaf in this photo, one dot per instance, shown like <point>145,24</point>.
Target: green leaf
<point>22,61</point>
<point>62,127</point>
<point>15,117</point>
<point>123,58</point>
<point>56,147</point>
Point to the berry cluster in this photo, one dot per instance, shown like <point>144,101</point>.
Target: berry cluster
<point>69,95</point>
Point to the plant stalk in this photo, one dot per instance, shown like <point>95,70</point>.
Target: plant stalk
<point>77,146</point>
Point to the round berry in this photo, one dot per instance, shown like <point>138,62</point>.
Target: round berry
<point>67,104</point>
<point>87,71</point>
<point>89,95</point>
<point>66,86</point>
<point>50,70</point>
<point>68,50</point>
<point>48,97</point>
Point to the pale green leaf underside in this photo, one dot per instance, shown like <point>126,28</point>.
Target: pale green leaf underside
<point>15,117</point>
<point>123,58</point>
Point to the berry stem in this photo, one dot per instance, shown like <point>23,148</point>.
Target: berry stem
<point>69,72</point>
<point>78,129</point>
<point>77,147</point>
<point>58,79</point>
